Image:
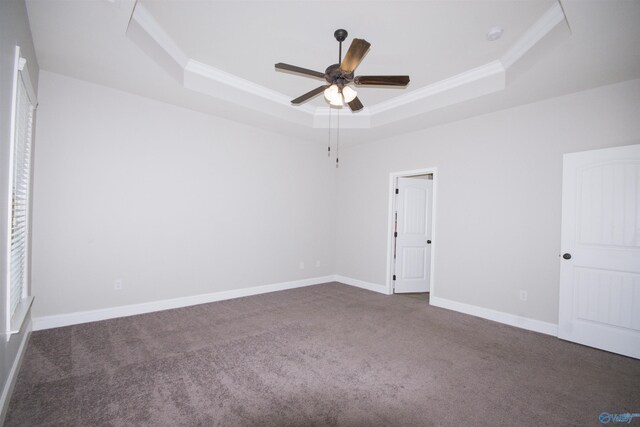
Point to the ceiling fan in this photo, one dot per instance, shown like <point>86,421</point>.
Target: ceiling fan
<point>338,76</point>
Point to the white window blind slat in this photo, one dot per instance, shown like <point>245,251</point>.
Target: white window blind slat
<point>20,196</point>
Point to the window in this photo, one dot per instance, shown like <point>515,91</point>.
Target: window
<point>18,300</point>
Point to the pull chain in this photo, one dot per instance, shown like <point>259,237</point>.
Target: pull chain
<point>329,143</point>
<point>338,140</point>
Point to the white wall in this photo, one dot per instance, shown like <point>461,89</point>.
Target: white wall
<point>173,202</point>
<point>178,203</point>
<point>14,30</point>
<point>498,196</point>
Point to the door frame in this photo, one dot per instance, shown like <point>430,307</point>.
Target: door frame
<point>393,176</point>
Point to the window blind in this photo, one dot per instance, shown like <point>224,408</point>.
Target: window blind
<point>20,195</point>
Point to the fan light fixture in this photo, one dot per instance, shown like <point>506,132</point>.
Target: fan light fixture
<point>338,77</point>
<point>337,97</point>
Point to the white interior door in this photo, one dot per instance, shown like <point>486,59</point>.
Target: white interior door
<point>600,265</point>
<point>413,241</point>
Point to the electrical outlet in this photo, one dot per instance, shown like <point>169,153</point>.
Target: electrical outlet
<point>523,295</point>
<point>117,284</point>
<point>301,265</point>
<point>318,263</point>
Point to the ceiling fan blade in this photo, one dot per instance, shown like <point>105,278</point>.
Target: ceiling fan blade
<point>354,55</point>
<point>382,80</point>
<point>299,70</point>
<point>317,91</point>
<point>356,105</point>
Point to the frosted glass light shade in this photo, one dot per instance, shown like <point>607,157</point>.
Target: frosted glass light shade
<point>332,94</point>
<point>337,101</point>
<point>349,94</point>
<point>337,97</point>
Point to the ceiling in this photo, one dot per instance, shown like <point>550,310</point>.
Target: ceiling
<point>428,40</point>
<point>218,57</point>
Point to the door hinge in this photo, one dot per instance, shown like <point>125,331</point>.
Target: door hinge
<point>395,234</point>
<point>394,277</point>
<point>397,190</point>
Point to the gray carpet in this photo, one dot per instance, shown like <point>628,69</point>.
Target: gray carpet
<point>323,355</point>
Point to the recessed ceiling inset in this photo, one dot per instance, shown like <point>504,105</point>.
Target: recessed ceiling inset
<point>204,78</point>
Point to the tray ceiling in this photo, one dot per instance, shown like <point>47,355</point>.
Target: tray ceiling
<point>217,56</point>
<point>430,41</point>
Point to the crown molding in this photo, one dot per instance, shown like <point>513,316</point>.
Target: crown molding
<point>148,34</point>
<point>534,34</point>
<point>324,118</point>
<point>471,84</point>
<point>214,82</point>
<point>445,85</point>
<point>239,83</point>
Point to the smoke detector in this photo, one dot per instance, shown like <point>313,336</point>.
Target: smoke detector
<point>494,33</point>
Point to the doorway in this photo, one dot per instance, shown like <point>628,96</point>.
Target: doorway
<point>411,242</point>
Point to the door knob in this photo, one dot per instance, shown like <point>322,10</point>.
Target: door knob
<point>566,256</point>
<point>428,242</point>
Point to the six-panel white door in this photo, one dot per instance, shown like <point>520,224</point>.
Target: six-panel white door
<point>600,265</point>
<point>413,249</point>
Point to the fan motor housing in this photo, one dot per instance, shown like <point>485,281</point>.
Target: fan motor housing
<point>334,75</point>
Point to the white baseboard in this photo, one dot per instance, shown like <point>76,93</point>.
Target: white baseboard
<point>485,313</point>
<point>497,316</point>
<point>361,284</point>
<point>56,321</point>
<point>5,397</point>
